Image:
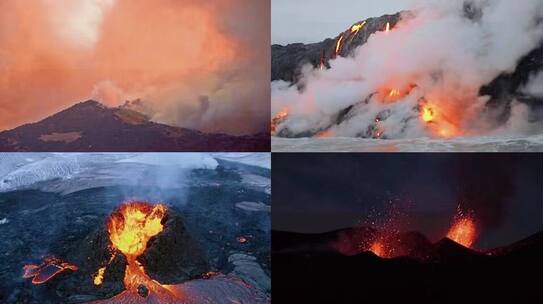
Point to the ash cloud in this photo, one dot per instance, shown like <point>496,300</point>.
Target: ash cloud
<point>448,49</point>
<point>167,53</point>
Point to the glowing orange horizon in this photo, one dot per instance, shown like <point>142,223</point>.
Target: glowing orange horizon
<point>167,53</point>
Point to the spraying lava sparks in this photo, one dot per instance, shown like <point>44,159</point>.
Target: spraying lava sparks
<point>378,249</point>
<point>49,268</point>
<point>464,230</point>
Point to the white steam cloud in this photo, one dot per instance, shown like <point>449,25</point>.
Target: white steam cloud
<point>437,54</point>
<point>535,86</point>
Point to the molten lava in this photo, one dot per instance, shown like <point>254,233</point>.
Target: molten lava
<point>324,134</point>
<point>356,28</point>
<point>464,230</point>
<point>338,45</point>
<point>394,93</point>
<point>133,225</point>
<point>277,119</point>
<point>378,249</point>
<point>428,113</point>
<point>99,277</point>
<point>388,27</point>
<point>49,268</point>
<point>322,61</point>
<point>390,94</point>
<point>439,123</point>
<point>130,228</point>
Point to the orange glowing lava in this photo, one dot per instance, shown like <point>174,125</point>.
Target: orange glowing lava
<point>464,230</point>
<point>339,44</point>
<point>388,27</point>
<point>428,113</point>
<point>99,277</point>
<point>378,249</point>
<point>440,124</point>
<point>130,228</point>
<point>324,134</point>
<point>277,119</point>
<point>133,225</point>
<point>394,93</point>
<point>356,28</point>
<point>322,61</point>
<point>49,268</point>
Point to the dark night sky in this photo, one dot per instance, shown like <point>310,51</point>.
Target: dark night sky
<point>322,192</point>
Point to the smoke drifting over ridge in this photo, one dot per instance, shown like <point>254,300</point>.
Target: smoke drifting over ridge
<point>422,78</point>
<point>195,64</point>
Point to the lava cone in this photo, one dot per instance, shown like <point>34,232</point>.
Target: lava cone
<point>118,257</point>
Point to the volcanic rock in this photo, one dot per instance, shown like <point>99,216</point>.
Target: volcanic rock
<point>143,291</point>
<point>253,206</point>
<point>90,126</point>
<point>507,87</point>
<point>91,254</point>
<point>287,61</point>
<point>455,273</point>
<point>172,256</point>
<point>247,268</point>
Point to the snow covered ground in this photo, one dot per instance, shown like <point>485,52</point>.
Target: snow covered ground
<point>77,171</point>
<point>253,159</point>
<point>472,144</point>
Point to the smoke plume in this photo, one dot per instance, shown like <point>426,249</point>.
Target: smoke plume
<point>167,53</point>
<point>432,64</point>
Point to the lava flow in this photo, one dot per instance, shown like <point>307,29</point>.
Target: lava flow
<point>356,28</point>
<point>464,230</point>
<point>427,114</point>
<point>277,119</point>
<point>130,227</point>
<point>338,45</point>
<point>49,268</point>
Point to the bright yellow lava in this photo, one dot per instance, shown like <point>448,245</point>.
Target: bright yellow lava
<point>427,114</point>
<point>133,225</point>
<point>99,278</point>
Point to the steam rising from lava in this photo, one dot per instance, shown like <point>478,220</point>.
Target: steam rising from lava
<point>193,63</point>
<point>443,53</point>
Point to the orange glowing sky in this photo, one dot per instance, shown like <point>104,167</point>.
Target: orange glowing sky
<point>171,54</point>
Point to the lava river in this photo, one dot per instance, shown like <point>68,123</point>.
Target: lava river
<point>130,228</point>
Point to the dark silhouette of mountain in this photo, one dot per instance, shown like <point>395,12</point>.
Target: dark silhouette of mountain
<point>449,273</point>
<point>287,61</point>
<point>91,126</point>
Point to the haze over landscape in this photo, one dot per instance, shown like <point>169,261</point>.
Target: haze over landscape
<point>199,66</point>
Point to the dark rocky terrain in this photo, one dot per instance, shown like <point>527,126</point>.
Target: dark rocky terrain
<point>205,231</point>
<point>287,61</point>
<point>91,127</point>
<point>310,269</point>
